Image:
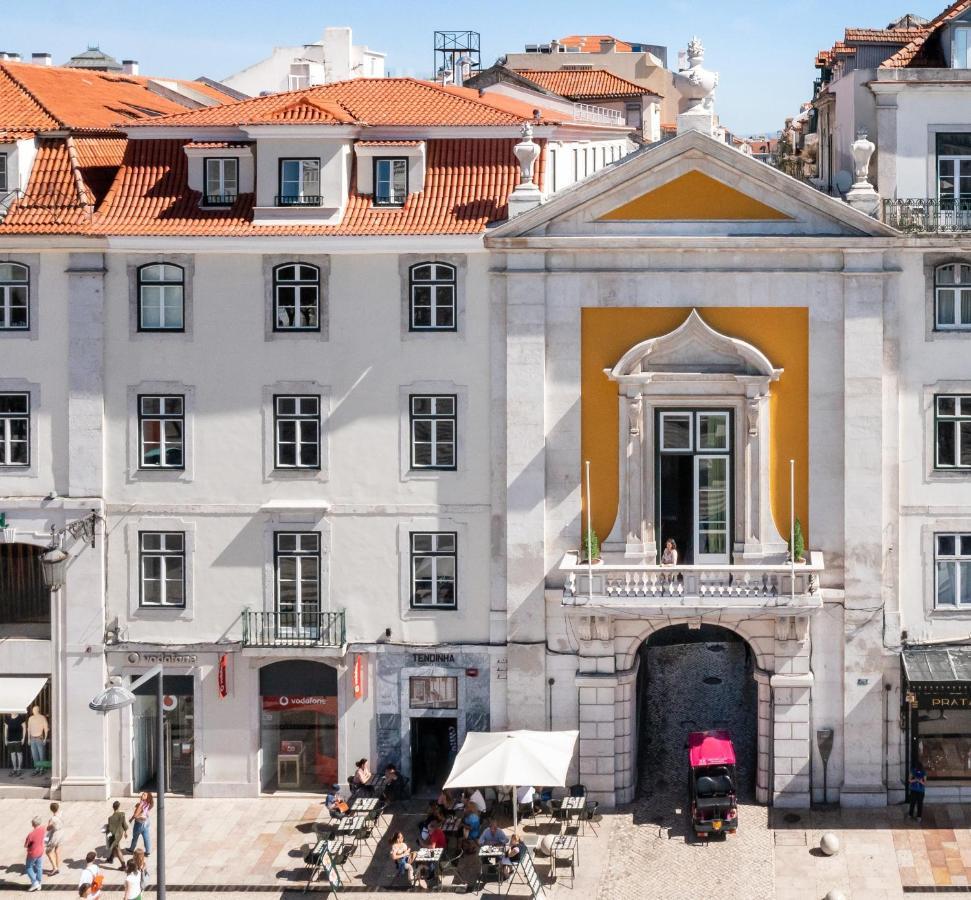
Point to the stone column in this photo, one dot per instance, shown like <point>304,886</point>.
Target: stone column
<point>598,734</point>
<point>625,738</point>
<point>790,744</point>
<point>762,786</point>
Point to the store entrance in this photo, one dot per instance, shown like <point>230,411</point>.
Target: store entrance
<point>434,743</point>
<point>178,709</point>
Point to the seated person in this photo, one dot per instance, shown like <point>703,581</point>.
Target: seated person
<point>392,783</point>
<point>526,795</point>
<point>476,798</point>
<point>436,837</point>
<point>337,807</point>
<point>514,854</point>
<point>401,856</point>
<point>362,772</point>
<point>471,826</point>
<point>493,835</point>
<point>424,826</point>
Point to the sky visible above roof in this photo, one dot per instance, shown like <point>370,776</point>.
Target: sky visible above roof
<point>764,57</point>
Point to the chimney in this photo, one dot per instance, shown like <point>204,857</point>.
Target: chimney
<point>554,46</point>
<point>129,66</point>
<point>41,59</point>
<point>607,45</point>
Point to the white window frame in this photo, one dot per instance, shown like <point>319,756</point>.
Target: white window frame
<point>6,432</point>
<point>228,186</point>
<point>161,417</point>
<point>299,285</point>
<point>964,30</point>
<point>958,287</point>
<point>435,555</point>
<point>394,166</point>
<point>163,553</point>
<point>166,280</point>
<point>956,560</point>
<point>684,414</point>
<point>955,420</point>
<point>302,556</point>
<point>305,165</point>
<point>8,287</point>
<point>299,416</point>
<point>438,416</point>
<point>442,284</point>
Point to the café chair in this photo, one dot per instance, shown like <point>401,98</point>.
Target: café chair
<point>449,865</point>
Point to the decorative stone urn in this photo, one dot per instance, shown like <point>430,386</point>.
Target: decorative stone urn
<point>697,85</point>
<point>526,194</point>
<point>862,195</point>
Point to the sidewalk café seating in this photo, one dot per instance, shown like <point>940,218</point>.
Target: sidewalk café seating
<point>590,814</point>
<point>578,790</point>
<point>490,859</point>
<point>564,853</point>
<point>449,867</point>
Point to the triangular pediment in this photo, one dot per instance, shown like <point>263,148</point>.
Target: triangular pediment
<point>691,186</point>
<point>694,197</point>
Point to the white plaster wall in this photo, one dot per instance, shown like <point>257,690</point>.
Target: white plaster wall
<point>922,111</point>
<point>334,158</point>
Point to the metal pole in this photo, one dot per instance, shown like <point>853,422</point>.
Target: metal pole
<point>160,809</point>
<point>587,537</point>
<point>792,531</point>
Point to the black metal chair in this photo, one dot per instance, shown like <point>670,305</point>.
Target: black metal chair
<point>578,790</point>
<point>590,813</point>
<point>449,866</point>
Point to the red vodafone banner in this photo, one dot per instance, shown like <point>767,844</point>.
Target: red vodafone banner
<point>359,676</point>
<point>299,703</point>
<point>222,676</point>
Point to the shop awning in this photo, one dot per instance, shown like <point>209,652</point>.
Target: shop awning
<point>19,691</point>
<point>937,665</point>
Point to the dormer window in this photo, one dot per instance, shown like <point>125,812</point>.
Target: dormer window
<point>222,181</point>
<point>3,171</point>
<point>960,58</point>
<point>299,182</point>
<point>390,181</point>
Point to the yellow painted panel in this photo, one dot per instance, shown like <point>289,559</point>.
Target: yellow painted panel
<point>694,197</point>
<point>782,334</point>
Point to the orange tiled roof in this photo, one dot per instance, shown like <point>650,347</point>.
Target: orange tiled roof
<point>366,101</point>
<point>97,160</point>
<point>386,143</point>
<point>590,43</point>
<point>8,137</point>
<point>882,35</point>
<point>907,56</point>
<point>467,185</point>
<point>217,145</point>
<point>588,83</point>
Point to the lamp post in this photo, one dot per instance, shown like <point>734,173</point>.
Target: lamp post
<point>116,696</point>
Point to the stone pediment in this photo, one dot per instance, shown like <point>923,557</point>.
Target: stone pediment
<point>693,186</point>
<point>693,348</point>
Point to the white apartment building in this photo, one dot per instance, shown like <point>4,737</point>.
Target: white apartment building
<point>335,57</point>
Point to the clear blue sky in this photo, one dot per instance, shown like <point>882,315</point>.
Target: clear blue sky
<point>763,50</point>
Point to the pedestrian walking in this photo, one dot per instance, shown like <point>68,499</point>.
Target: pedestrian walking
<point>141,822</point>
<point>133,882</point>
<point>139,859</point>
<point>91,879</point>
<point>14,735</point>
<point>34,844</point>
<point>55,831</point>
<point>917,784</point>
<point>116,829</point>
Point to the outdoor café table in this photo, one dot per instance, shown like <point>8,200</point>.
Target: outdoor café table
<point>364,804</point>
<point>491,855</point>
<point>573,808</point>
<point>428,856</point>
<point>567,843</point>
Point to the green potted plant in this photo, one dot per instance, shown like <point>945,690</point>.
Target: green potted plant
<point>590,549</point>
<point>797,545</point>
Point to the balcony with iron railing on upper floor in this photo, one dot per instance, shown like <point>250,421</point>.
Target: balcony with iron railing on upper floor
<point>601,115</point>
<point>298,200</point>
<point>773,589</point>
<point>289,630</point>
<point>923,216</point>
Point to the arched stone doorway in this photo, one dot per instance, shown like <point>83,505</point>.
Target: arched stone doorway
<point>694,679</point>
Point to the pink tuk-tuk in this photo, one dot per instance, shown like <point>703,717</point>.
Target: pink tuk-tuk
<point>712,783</point>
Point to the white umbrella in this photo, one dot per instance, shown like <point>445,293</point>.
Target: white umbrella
<point>513,758</point>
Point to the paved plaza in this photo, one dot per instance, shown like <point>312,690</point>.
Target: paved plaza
<point>255,848</point>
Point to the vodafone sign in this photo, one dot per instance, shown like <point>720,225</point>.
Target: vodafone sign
<point>301,703</point>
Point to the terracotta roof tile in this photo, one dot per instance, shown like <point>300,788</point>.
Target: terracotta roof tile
<point>584,83</point>
<point>467,185</point>
<point>882,35</point>
<point>590,43</point>
<point>910,55</point>
<point>8,137</point>
<point>218,145</point>
<point>97,160</point>
<point>367,101</point>
<point>387,143</point>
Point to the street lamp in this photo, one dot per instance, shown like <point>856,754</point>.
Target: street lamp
<point>117,696</point>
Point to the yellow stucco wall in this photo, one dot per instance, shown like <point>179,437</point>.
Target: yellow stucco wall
<point>782,334</point>
<point>694,196</point>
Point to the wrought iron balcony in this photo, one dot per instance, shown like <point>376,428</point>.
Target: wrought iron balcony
<point>292,629</point>
<point>780,588</point>
<point>919,216</point>
<point>219,199</point>
<point>298,200</point>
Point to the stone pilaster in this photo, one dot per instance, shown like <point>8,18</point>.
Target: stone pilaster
<point>764,749</point>
<point>790,739</point>
<point>598,734</point>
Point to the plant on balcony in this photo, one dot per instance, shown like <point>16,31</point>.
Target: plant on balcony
<point>797,545</point>
<point>590,550</point>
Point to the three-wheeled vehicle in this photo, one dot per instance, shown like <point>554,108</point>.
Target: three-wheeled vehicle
<point>712,783</point>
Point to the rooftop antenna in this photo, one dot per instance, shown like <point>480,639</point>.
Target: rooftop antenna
<point>457,51</point>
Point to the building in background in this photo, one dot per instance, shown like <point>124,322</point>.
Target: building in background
<point>333,58</point>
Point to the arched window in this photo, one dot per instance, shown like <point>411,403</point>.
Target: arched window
<point>14,297</point>
<point>296,297</point>
<point>952,297</point>
<point>161,297</point>
<point>432,291</point>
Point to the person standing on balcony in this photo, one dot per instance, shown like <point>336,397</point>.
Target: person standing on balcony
<point>670,555</point>
<point>14,736</point>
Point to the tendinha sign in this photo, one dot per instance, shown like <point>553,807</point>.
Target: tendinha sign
<point>431,659</point>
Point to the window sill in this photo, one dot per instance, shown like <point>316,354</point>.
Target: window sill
<point>951,612</point>
<point>297,215</point>
<point>286,474</point>
<point>958,475</point>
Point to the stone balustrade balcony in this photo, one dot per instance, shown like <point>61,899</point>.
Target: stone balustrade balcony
<point>780,589</point>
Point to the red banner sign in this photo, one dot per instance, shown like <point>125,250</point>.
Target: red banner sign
<point>358,676</point>
<point>221,678</point>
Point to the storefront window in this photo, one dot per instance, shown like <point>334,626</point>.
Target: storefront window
<point>944,742</point>
<point>298,733</point>
<point>179,722</point>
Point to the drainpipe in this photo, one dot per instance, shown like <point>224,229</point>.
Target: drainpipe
<point>551,682</point>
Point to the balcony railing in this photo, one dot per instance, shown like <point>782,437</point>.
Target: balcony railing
<point>919,216</point>
<point>298,200</point>
<point>584,112</point>
<point>727,587</point>
<point>219,199</point>
<point>289,629</point>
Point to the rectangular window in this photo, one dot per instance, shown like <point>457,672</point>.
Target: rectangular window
<point>14,297</point>
<point>952,297</point>
<point>297,429</point>
<point>433,570</point>
<point>432,287</point>
<point>161,562</point>
<point>952,431</point>
<point>299,182</point>
<point>961,54</point>
<point>14,429</point>
<point>161,430</point>
<point>576,165</point>
<point>676,429</point>
<point>222,181</point>
<point>952,565</point>
<point>297,567</point>
<point>433,426</point>
<point>3,171</point>
<point>390,181</point>
<point>433,692</point>
<point>552,171</point>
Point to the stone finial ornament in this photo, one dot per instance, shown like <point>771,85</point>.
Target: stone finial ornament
<point>698,92</point>
<point>862,195</point>
<point>527,152</point>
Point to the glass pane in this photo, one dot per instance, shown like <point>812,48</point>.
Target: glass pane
<point>308,454</point>
<point>421,543</point>
<point>308,273</point>
<point>945,307</point>
<point>964,582</point>
<point>423,567</point>
<point>712,474</point>
<point>421,273</point>
<point>151,306</point>
<point>287,430</point>
<point>446,592</point>
<point>715,542</point>
<point>12,272</point>
<point>422,430</point>
<point>423,592</point>
<point>965,311</point>
<point>152,567</point>
<point>966,545</point>
<point>286,568</point>
<point>421,406</point>
<point>151,541</point>
<point>712,431</point>
<point>13,403</point>
<point>946,406</point>
<point>446,567</point>
<point>964,440</point>
<point>286,542</point>
<point>676,432</point>
<point>945,443</point>
<point>945,584</point>
<point>446,543</point>
<point>945,545</point>
<point>286,406</point>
